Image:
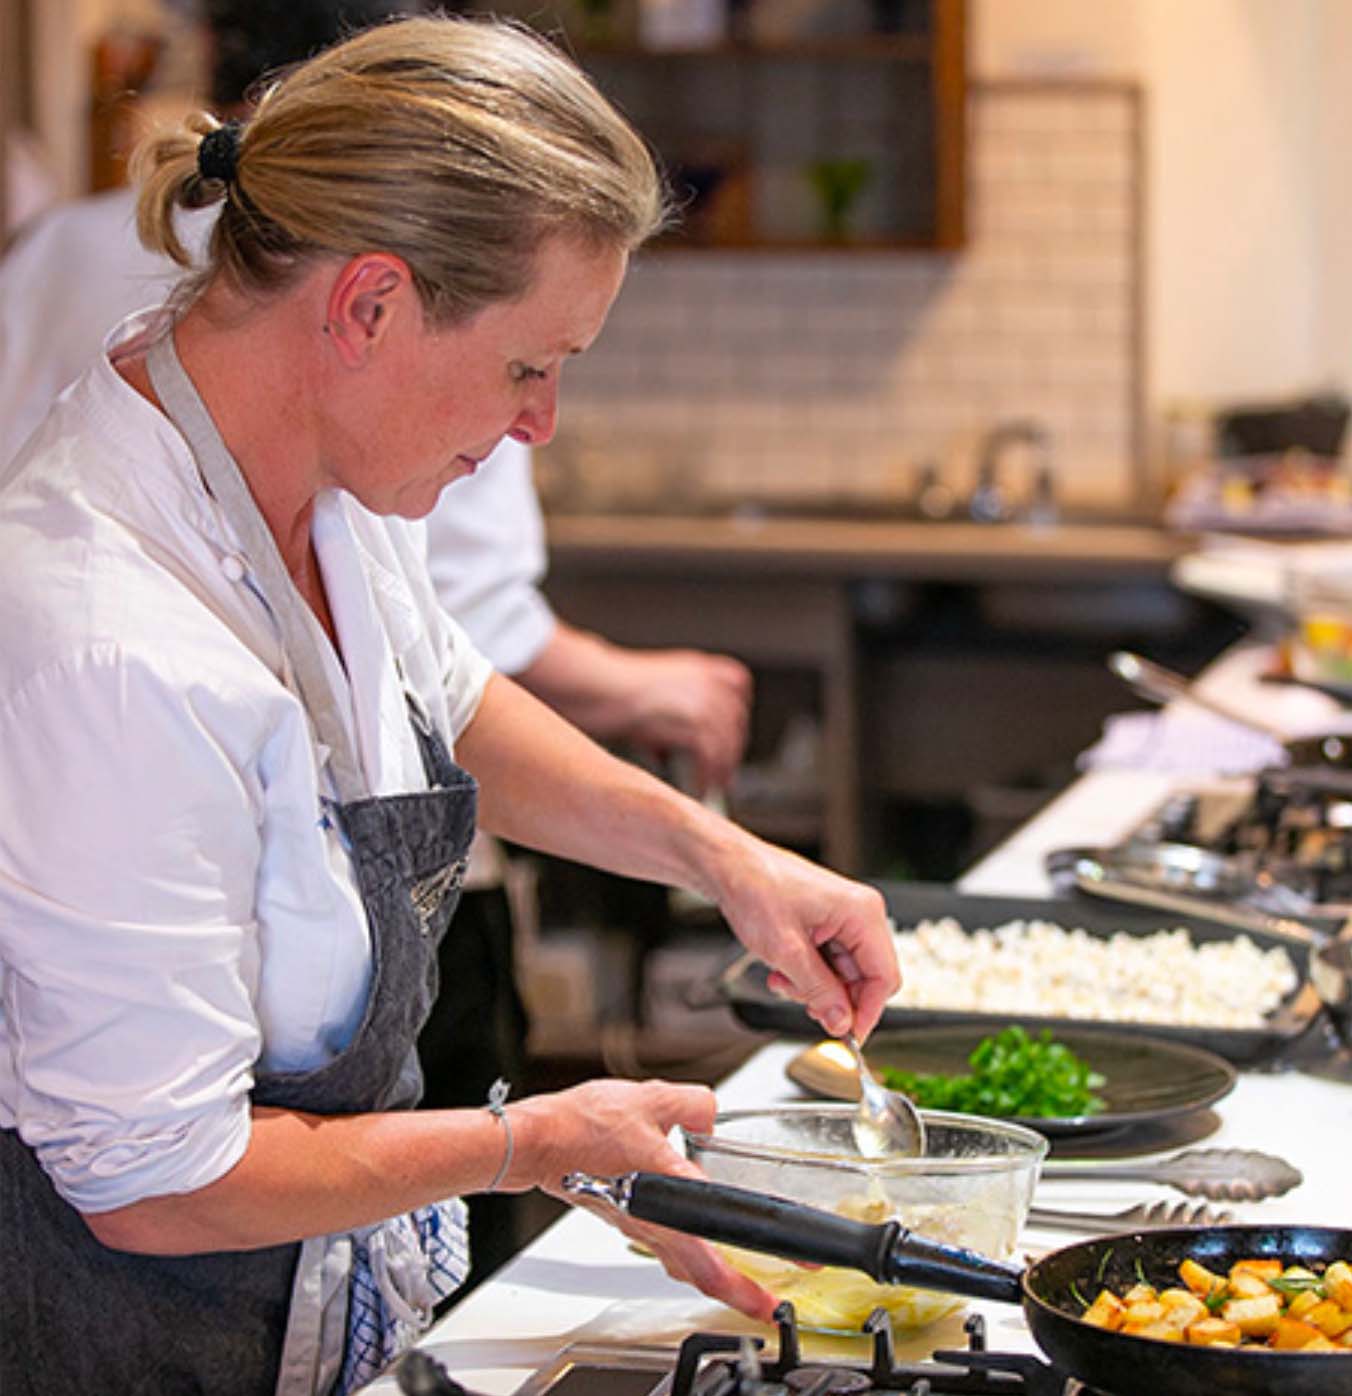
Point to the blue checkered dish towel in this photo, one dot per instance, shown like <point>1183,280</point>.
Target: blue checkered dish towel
<point>400,1269</point>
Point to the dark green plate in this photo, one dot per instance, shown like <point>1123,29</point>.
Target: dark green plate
<point>1146,1079</point>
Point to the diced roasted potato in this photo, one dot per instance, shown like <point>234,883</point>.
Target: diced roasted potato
<point>1331,1320</point>
<point>1259,1302</point>
<point>1213,1332</point>
<point>1174,1297</point>
<point>1255,1317</point>
<point>1244,1284</point>
<point>1142,1312</point>
<point>1159,1329</point>
<point>1338,1283</point>
<point>1199,1279</point>
<point>1106,1311</point>
<point>1182,1307</point>
<point>1293,1333</point>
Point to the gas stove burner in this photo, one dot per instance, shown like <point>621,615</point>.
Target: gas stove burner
<point>1286,836</point>
<point>827,1381</point>
<point>723,1364</point>
<point>972,1371</point>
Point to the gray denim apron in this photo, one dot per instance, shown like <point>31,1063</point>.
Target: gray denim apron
<point>77,1317</point>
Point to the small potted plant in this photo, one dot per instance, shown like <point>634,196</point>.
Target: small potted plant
<point>838,184</point>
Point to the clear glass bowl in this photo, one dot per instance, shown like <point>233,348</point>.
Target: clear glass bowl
<point>973,1188</point>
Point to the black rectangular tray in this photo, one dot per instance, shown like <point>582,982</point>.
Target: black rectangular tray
<point>743,984</point>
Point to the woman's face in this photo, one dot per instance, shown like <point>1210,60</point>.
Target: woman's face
<point>442,399</point>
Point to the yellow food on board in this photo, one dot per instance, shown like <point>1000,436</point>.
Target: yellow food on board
<point>838,1300</point>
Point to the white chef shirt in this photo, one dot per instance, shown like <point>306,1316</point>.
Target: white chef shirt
<point>175,909</point>
<point>70,277</point>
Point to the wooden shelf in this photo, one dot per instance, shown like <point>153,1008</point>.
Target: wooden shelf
<point>849,142</point>
<point>670,244</point>
<point>890,48</point>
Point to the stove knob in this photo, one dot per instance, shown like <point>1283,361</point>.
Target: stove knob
<point>418,1374</point>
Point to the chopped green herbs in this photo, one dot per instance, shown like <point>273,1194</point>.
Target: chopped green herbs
<point>1291,1285</point>
<point>1012,1074</point>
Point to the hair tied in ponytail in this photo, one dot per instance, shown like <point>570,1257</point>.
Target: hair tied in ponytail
<point>218,153</point>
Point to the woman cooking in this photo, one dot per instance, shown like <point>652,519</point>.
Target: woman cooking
<point>234,831</point>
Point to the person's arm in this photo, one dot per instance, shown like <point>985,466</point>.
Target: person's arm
<point>308,1175</point>
<point>659,700</point>
<point>547,786</point>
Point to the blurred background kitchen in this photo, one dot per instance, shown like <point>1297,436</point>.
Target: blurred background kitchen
<point>980,312</point>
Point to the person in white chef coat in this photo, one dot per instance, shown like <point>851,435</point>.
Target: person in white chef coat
<point>81,269</point>
<point>245,750</point>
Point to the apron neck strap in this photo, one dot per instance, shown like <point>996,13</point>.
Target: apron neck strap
<point>301,635</point>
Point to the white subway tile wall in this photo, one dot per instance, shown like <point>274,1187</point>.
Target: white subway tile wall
<point>832,378</point>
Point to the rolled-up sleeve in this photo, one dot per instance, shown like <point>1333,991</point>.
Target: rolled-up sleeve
<point>128,866</point>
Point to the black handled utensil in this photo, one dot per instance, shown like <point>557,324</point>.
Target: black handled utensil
<point>887,1251</point>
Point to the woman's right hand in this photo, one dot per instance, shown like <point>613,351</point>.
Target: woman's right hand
<point>608,1128</point>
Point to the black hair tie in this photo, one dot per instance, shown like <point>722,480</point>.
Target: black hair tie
<point>218,153</point>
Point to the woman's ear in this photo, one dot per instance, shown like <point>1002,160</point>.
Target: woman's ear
<point>364,297</point>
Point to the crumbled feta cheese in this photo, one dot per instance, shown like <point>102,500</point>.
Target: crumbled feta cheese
<point>1039,968</point>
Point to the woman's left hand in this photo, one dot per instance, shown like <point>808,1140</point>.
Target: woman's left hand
<point>827,939</point>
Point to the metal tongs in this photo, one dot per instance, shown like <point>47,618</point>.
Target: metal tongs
<point>1183,879</point>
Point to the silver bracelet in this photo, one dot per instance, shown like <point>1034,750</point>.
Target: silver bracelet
<point>497,1107</point>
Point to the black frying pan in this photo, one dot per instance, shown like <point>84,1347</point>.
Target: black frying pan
<point>1115,1363</point>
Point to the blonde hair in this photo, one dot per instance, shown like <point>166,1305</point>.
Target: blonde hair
<point>458,144</point>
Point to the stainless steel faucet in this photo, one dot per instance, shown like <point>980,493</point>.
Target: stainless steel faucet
<point>991,501</point>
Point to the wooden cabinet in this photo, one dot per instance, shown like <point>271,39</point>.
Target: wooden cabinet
<point>16,91</point>
<point>796,126</point>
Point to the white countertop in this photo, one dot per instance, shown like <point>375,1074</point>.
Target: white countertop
<point>1104,806</point>
<point>580,1282</point>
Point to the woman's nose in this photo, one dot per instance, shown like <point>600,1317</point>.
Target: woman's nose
<point>535,423</point>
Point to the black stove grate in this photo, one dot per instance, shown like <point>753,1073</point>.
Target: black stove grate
<point>970,1371</point>
<point>721,1364</point>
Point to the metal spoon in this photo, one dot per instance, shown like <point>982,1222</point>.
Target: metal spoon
<point>887,1124</point>
<point>1160,685</point>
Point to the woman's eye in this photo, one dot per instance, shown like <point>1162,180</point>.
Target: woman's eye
<point>524,373</point>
